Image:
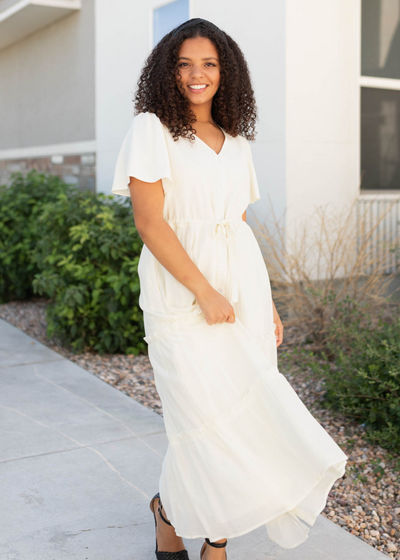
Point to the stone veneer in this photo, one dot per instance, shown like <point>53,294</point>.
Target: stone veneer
<point>79,170</point>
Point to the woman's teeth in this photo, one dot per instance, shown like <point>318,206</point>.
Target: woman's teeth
<point>198,88</point>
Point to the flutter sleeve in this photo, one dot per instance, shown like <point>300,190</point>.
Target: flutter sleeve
<point>254,190</point>
<point>143,154</point>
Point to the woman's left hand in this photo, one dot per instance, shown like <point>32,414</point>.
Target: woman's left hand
<point>279,327</point>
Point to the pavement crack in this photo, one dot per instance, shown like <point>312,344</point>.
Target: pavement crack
<point>112,527</point>
<point>24,364</point>
<point>80,445</point>
<point>118,473</point>
<point>40,423</point>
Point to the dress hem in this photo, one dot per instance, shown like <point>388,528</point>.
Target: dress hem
<point>335,477</point>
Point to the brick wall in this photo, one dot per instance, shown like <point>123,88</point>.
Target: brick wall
<point>79,170</point>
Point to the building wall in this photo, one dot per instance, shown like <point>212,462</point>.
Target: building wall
<point>123,41</point>
<point>121,46</point>
<point>77,170</point>
<point>47,85</point>
<point>322,106</point>
<point>68,86</point>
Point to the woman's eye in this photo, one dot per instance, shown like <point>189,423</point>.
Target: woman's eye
<point>185,64</point>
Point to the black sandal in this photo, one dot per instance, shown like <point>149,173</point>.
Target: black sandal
<point>179,555</point>
<point>214,544</point>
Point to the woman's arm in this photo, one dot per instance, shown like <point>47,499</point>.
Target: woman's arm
<point>161,240</point>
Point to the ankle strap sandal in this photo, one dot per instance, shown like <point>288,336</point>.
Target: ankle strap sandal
<point>215,545</point>
<point>181,554</point>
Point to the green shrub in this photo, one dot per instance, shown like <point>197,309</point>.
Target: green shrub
<point>20,205</point>
<point>362,372</point>
<point>80,250</point>
<point>87,259</point>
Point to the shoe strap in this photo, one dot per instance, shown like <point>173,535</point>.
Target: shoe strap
<point>217,545</point>
<point>161,515</point>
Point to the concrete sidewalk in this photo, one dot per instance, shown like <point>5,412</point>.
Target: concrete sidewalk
<point>80,461</point>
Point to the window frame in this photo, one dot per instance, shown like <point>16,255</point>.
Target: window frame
<point>151,18</point>
<point>369,82</point>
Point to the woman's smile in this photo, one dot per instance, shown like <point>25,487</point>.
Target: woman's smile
<point>198,88</point>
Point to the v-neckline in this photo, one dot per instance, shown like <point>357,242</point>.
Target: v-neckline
<point>209,147</point>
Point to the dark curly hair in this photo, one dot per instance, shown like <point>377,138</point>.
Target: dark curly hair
<point>233,107</point>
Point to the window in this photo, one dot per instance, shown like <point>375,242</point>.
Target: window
<point>167,17</point>
<point>380,95</point>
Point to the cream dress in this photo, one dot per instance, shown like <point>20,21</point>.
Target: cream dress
<point>243,450</point>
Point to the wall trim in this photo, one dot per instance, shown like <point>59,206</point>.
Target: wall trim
<point>18,6</point>
<point>380,83</point>
<point>376,195</point>
<point>73,148</point>
<point>357,109</point>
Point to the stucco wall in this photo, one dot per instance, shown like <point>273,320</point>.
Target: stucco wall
<point>322,105</point>
<point>47,84</point>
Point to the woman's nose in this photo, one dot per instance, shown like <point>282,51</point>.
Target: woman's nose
<point>196,71</point>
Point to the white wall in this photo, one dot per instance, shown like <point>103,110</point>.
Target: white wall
<point>122,44</point>
<point>322,107</point>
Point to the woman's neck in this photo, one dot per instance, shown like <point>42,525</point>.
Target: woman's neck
<point>202,112</point>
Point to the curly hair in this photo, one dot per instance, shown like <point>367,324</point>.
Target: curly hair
<point>233,106</point>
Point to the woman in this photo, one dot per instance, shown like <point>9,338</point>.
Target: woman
<point>243,449</point>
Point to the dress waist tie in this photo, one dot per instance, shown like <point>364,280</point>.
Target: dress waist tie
<point>224,229</point>
<point>227,229</point>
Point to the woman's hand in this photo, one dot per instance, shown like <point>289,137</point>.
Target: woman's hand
<point>216,308</point>
<point>279,327</point>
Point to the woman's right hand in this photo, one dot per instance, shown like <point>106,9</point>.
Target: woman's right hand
<point>216,307</point>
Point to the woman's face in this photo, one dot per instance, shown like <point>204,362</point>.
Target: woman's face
<point>198,65</point>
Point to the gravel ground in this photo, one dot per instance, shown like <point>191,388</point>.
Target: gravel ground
<point>365,501</point>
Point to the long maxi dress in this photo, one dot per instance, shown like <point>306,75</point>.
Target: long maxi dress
<point>243,449</point>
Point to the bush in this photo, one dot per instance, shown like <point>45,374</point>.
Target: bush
<point>20,205</point>
<point>87,258</point>
<point>81,251</point>
<point>361,369</point>
<point>323,258</point>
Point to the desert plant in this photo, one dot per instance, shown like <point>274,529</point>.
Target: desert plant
<point>334,255</point>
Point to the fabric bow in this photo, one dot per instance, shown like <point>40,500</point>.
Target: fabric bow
<point>227,230</point>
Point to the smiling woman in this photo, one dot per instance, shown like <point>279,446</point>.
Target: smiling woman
<point>163,86</point>
<point>243,449</point>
